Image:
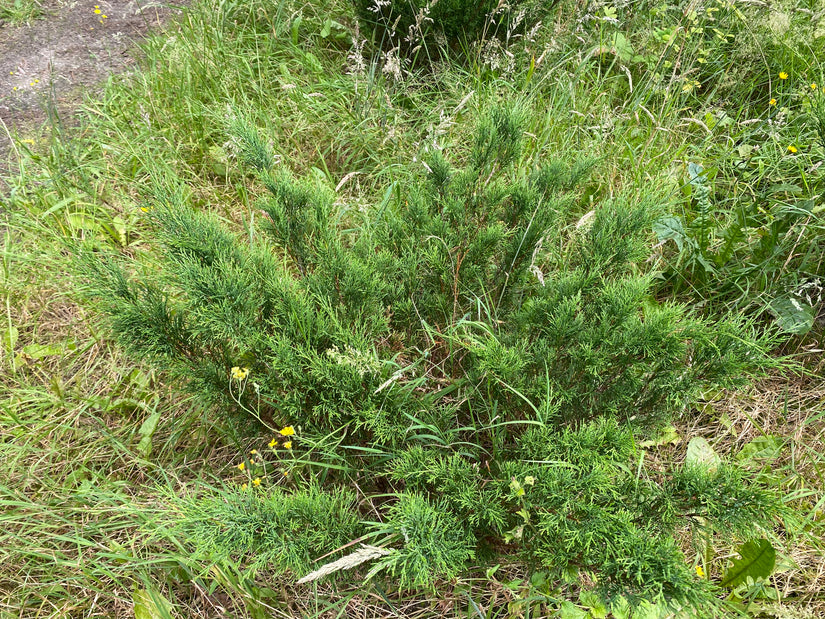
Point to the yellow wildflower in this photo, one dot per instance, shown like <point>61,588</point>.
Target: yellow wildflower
<point>287,431</point>
<point>792,148</point>
<point>273,443</point>
<point>700,572</point>
<point>783,75</point>
<point>288,445</point>
<point>772,102</point>
<point>244,486</point>
<point>241,466</point>
<point>98,11</point>
<point>813,86</point>
<point>254,452</point>
<point>239,373</point>
<point>256,481</point>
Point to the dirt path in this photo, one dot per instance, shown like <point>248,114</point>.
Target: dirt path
<point>74,45</point>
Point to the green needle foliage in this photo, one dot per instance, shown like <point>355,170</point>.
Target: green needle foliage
<point>495,343</point>
<point>435,542</point>
<point>280,532</point>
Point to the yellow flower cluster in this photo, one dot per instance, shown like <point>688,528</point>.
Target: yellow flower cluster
<point>242,467</point>
<point>239,373</point>
<point>256,461</point>
<point>287,431</point>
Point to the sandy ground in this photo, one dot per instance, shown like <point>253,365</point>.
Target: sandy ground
<point>52,60</point>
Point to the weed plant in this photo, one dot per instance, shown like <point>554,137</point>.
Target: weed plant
<point>747,235</point>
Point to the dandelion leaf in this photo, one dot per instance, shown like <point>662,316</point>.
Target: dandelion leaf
<point>758,558</point>
<point>792,315</point>
<point>150,604</point>
<point>700,453</point>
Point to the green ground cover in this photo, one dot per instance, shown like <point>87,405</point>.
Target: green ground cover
<point>507,318</point>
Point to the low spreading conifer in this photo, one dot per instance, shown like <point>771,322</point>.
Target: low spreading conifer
<point>494,340</point>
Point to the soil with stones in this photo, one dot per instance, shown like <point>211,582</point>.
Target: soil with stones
<point>48,63</point>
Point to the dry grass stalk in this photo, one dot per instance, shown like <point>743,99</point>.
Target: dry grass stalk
<point>362,555</point>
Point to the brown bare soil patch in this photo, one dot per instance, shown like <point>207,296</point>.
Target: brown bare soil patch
<point>48,63</point>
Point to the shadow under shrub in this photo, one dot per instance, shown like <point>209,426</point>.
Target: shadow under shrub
<point>419,29</point>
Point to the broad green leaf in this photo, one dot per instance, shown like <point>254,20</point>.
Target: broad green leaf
<point>38,351</point>
<point>703,261</point>
<point>785,188</point>
<point>9,337</point>
<point>313,63</point>
<point>568,610</point>
<point>650,610</point>
<point>758,558</point>
<point>710,120</point>
<point>147,429</point>
<point>217,160</point>
<point>624,50</point>
<point>326,28</point>
<point>792,315</point>
<point>764,448</point>
<point>620,608</point>
<point>116,229</point>
<point>82,221</point>
<point>668,435</point>
<point>700,453</point>
<point>594,602</point>
<point>695,172</point>
<point>538,579</point>
<point>670,228</point>
<point>296,28</point>
<point>150,604</point>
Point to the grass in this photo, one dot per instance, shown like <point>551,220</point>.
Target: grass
<point>86,473</point>
<point>17,12</point>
